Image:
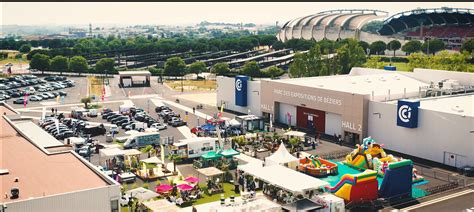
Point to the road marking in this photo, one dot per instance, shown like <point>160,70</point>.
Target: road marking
<point>68,105</point>
<point>434,201</point>
<point>89,122</point>
<point>146,96</point>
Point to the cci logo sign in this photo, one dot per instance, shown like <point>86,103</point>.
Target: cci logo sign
<point>241,90</point>
<point>407,113</point>
<point>238,85</point>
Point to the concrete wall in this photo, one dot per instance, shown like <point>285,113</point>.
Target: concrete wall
<point>88,200</point>
<point>226,93</point>
<point>349,106</point>
<point>436,134</point>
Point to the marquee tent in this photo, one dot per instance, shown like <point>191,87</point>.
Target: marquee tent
<point>282,157</point>
<point>285,178</point>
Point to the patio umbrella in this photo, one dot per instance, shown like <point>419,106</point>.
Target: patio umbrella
<point>191,179</point>
<point>163,188</point>
<point>184,187</point>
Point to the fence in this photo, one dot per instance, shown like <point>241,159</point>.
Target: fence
<point>336,155</point>
<point>448,177</point>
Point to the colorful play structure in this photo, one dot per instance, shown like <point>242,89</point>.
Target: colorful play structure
<point>316,166</point>
<point>372,156</point>
<point>357,188</point>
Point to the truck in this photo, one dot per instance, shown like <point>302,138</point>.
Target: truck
<point>194,147</point>
<point>138,126</point>
<point>139,140</point>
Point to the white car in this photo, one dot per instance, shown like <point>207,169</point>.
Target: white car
<point>114,128</point>
<point>159,126</point>
<point>35,98</point>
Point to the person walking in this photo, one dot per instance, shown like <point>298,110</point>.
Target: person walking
<point>194,209</point>
<point>52,111</point>
<point>194,110</point>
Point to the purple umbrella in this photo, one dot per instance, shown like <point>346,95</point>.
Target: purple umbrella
<point>184,187</point>
<point>191,179</point>
<point>163,188</point>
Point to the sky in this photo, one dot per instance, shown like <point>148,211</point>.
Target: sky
<point>184,13</point>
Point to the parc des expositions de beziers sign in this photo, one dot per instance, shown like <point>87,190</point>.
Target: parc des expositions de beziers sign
<point>407,113</point>
<point>241,90</point>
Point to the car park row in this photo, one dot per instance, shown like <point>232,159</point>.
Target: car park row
<point>30,86</point>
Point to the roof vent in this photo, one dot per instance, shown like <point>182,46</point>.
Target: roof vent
<point>457,109</point>
<point>15,193</point>
<point>368,80</point>
<point>4,171</point>
<point>382,79</point>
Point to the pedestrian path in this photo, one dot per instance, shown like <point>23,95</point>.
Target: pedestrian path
<point>186,132</point>
<point>189,110</point>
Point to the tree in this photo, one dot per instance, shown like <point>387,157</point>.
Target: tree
<point>350,55</point>
<point>197,67</point>
<point>412,46</point>
<point>374,62</point>
<point>299,67</point>
<point>372,26</point>
<point>468,45</point>
<point>277,45</point>
<point>274,71</point>
<point>105,64</point>
<point>432,46</point>
<point>86,100</point>
<point>251,68</point>
<point>220,69</point>
<point>59,63</point>
<point>377,47</point>
<point>394,45</point>
<point>149,150</point>
<point>315,61</point>
<point>78,64</point>
<point>176,159</point>
<point>364,45</point>
<point>175,66</point>
<point>25,48</point>
<point>40,62</point>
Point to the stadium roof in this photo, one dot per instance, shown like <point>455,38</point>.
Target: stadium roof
<point>426,17</point>
<point>314,26</point>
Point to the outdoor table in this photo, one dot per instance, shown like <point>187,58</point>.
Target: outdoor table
<point>127,177</point>
<point>245,195</point>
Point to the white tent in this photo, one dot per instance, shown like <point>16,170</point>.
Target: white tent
<point>295,134</point>
<point>142,193</point>
<point>111,152</point>
<point>153,159</point>
<point>282,157</point>
<point>284,178</point>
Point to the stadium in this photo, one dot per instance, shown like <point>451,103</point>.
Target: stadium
<point>452,25</point>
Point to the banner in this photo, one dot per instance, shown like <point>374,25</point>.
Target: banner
<point>241,90</point>
<point>407,113</point>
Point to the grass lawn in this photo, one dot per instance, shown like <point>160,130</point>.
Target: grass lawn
<point>193,85</point>
<point>15,62</point>
<point>228,191</point>
<point>95,86</point>
<point>400,66</point>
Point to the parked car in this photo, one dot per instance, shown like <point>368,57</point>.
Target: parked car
<point>107,114</point>
<point>114,128</point>
<point>94,130</point>
<point>36,98</point>
<point>115,115</point>
<point>62,93</point>
<point>92,113</point>
<point>20,101</point>
<point>160,108</point>
<point>177,122</point>
<point>50,78</point>
<point>159,126</point>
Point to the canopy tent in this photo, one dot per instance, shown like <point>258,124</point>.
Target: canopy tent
<point>210,171</point>
<point>192,179</point>
<point>282,157</point>
<point>154,160</point>
<point>212,155</point>
<point>295,134</point>
<point>161,205</point>
<point>229,153</point>
<point>184,187</point>
<point>142,193</point>
<point>131,152</point>
<point>285,178</point>
<point>112,152</point>
<point>208,127</point>
<point>163,188</point>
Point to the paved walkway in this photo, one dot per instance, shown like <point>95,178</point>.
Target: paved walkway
<point>186,132</point>
<point>249,159</point>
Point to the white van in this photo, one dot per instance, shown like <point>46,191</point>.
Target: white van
<point>92,113</point>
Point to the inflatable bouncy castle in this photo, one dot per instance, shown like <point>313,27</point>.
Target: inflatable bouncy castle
<point>358,187</point>
<point>371,155</point>
<point>396,183</point>
<point>317,167</point>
